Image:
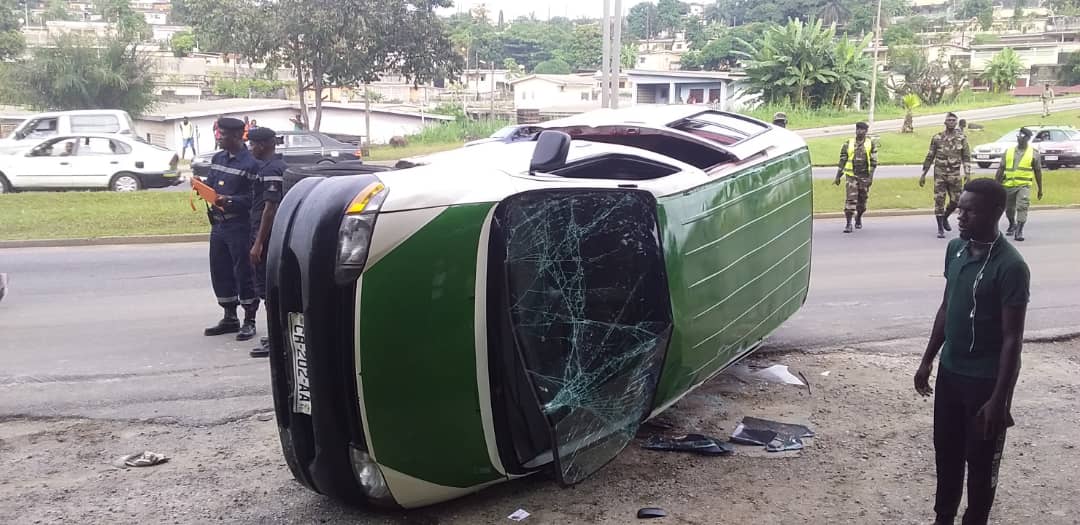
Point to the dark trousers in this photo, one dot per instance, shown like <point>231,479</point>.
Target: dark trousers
<point>259,270</point>
<point>956,402</point>
<point>230,264</point>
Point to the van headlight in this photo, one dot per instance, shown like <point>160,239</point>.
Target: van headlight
<point>354,235</point>
<point>371,479</point>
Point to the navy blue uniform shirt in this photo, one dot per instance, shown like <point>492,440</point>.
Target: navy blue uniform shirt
<point>232,176</point>
<point>267,186</point>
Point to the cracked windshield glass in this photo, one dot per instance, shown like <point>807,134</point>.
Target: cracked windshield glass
<point>554,261</point>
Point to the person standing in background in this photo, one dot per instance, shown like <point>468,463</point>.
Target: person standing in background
<point>1047,99</point>
<point>187,133</point>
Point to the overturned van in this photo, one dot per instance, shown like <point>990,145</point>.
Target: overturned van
<point>512,308</point>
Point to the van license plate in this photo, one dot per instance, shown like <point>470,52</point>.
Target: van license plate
<point>982,157</point>
<point>298,345</point>
<point>1050,157</point>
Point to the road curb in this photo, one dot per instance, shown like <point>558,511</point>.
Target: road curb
<point>204,237</point>
<point>918,344</point>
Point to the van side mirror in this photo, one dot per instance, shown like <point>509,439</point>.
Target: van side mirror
<point>552,148</point>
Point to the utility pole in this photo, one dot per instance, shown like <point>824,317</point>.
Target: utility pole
<point>616,53</point>
<point>873,74</point>
<point>492,115</point>
<point>605,59</point>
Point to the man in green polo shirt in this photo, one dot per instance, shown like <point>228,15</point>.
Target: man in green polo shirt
<point>1020,165</point>
<point>979,329</point>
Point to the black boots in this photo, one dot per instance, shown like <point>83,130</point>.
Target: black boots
<point>247,331</point>
<point>1012,229</point>
<point>1019,235</point>
<point>263,350</point>
<point>227,325</point>
<point>858,220</point>
<point>848,229</point>
<point>940,226</point>
<point>945,218</point>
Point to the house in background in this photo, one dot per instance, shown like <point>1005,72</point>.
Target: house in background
<point>564,93</point>
<point>577,93</point>
<point>161,126</point>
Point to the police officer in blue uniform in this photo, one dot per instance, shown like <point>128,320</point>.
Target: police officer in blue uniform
<point>232,171</point>
<point>266,195</point>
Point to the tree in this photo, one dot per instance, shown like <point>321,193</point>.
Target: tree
<point>910,102</point>
<point>802,64</point>
<point>554,66</point>
<point>513,69</point>
<point>583,49</point>
<point>628,57</point>
<point>670,15</point>
<point>182,43</point>
<point>642,21</point>
<point>1002,70</point>
<point>56,10</point>
<point>130,24</point>
<point>82,74</point>
<point>12,43</point>
<point>1070,72</point>
<point>958,73</point>
<point>899,35</point>
<point>920,75</point>
<point>721,54</point>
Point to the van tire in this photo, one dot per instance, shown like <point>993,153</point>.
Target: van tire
<point>5,186</point>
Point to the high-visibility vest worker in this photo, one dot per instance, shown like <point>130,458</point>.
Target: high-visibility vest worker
<point>1021,174</point>
<point>849,168</point>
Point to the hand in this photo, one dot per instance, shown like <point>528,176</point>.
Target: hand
<point>221,201</point>
<point>922,181</point>
<point>256,254</point>
<point>837,181</point>
<point>1040,193</point>
<point>922,380</point>
<point>991,419</point>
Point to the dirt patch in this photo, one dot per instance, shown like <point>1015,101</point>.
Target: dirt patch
<point>871,462</point>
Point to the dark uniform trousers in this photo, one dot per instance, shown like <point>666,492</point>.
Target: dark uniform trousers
<point>957,399</point>
<point>230,265</point>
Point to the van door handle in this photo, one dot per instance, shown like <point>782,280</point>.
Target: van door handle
<point>64,164</point>
<point>114,162</point>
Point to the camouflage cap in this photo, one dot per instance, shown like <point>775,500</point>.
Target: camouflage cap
<point>779,115</point>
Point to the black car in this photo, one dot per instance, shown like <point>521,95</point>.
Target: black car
<point>297,148</point>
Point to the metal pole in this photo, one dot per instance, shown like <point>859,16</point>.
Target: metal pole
<point>873,74</point>
<point>605,60</point>
<point>616,53</point>
<point>367,116</point>
<point>492,115</point>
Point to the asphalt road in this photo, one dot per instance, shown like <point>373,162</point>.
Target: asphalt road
<point>115,332</point>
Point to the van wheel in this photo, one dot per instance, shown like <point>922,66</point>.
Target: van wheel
<point>125,182</point>
<point>5,186</point>
<point>984,165</point>
<point>324,162</point>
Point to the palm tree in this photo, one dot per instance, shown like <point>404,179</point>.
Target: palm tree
<point>1002,70</point>
<point>911,101</point>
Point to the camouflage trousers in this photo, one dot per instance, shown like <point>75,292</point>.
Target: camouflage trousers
<point>858,191</point>
<point>947,186</point>
<point>1017,204</point>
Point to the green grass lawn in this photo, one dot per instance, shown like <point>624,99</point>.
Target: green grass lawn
<point>805,119</point>
<point>385,153</point>
<point>1060,187</point>
<point>73,215</point>
<point>910,148</point>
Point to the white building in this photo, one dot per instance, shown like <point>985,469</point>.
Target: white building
<point>162,125</point>
<point>546,92</point>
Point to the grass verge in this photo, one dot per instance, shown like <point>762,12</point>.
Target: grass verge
<point>75,215</point>
<point>895,148</point>
<point>805,118</point>
<point>1061,188</point>
<point>386,153</point>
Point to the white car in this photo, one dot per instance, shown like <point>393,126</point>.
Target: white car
<point>89,161</point>
<point>1059,145</point>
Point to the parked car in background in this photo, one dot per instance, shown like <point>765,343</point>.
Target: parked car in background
<point>45,125</point>
<point>89,161</point>
<point>509,134</point>
<point>297,148</point>
<point>1059,145</point>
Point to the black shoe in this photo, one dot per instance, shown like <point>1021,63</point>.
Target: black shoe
<point>247,332</point>
<point>945,223</point>
<point>224,326</point>
<point>1019,235</point>
<point>1011,230</point>
<point>848,228</point>
<point>940,227</point>
<point>858,222</point>
<point>262,351</point>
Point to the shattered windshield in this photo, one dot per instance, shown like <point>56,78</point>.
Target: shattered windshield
<point>591,314</point>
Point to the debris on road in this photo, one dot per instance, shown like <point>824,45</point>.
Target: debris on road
<point>773,435</point>
<point>695,443</point>
<point>651,512</point>
<point>143,459</point>
<point>518,515</point>
<point>778,374</point>
<point>784,443</point>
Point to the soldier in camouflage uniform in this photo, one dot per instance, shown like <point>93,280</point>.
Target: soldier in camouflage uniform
<point>951,157</point>
<point>858,161</point>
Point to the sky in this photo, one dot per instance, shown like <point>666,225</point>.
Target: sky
<point>515,8</point>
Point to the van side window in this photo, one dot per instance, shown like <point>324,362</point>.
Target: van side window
<point>95,124</point>
<point>41,128</point>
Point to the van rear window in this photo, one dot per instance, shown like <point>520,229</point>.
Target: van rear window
<point>726,129</point>
<point>95,124</point>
